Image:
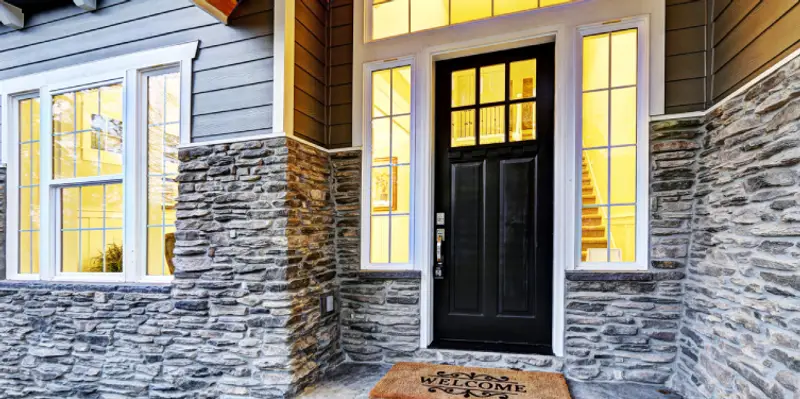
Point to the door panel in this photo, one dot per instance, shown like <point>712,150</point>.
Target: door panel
<point>517,203</point>
<point>493,183</point>
<point>465,247</point>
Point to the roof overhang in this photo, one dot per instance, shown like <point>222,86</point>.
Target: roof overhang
<point>219,9</point>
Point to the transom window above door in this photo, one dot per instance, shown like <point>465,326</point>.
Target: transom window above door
<point>493,104</point>
<point>399,17</point>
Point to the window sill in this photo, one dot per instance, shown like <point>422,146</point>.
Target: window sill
<point>389,274</point>
<point>143,288</point>
<point>606,275</point>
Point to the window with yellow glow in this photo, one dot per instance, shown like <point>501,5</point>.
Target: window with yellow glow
<point>609,130</point>
<point>163,130</point>
<point>28,187</point>
<point>482,99</point>
<point>87,145</point>
<point>398,17</point>
<point>390,166</point>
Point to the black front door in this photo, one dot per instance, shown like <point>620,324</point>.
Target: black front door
<point>494,190</point>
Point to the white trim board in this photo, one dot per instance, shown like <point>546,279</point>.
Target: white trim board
<point>745,87</point>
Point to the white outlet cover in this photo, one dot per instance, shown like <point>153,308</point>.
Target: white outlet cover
<point>329,303</point>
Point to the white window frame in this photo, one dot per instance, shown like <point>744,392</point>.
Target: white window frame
<point>131,70</point>
<point>641,23</point>
<point>366,168</point>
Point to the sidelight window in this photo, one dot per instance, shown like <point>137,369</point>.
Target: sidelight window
<point>611,182</point>
<point>94,171</point>
<point>398,17</point>
<point>389,170</point>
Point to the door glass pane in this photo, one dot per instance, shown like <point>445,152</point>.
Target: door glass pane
<point>426,14</point>
<point>623,116</point>
<point>493,83</point>
<point>523,79</point>
<point>383,197</point>
<point>594,234</point>
<point>509,6</point>
<point>400,235</point>
<point>595,61</point>
<point>389,18</point>
<point>381,141</point>
<point>401,90</point>
<point>595,119</point>
<point>469,10</point>
<point>379,239</point>
<point>623,234</point>
<point>463,88</point>
<point>91,229</point>
<point>623,57</point>
<point>402,176</point>
<point>595,175</point>
<point>623,175</point>
<point>492,126</point>
<point>522,121</point>
<point>401,139</point>
<point>462,130</point>
<point>381,93</point>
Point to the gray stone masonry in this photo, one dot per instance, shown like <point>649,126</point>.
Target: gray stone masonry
<point>254,253</point>
<point>740,336</point>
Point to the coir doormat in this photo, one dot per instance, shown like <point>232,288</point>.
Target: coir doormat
<point>431,381</point>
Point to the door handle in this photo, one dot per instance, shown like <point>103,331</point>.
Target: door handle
<point>438,268</point>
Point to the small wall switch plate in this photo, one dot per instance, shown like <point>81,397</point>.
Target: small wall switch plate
<point>232,233</point>
<point>329,303</point>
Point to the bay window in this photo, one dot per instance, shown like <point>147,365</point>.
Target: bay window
<point>93,175</point>
<point>613,161</point>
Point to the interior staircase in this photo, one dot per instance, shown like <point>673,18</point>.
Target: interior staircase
<point>593,229</point>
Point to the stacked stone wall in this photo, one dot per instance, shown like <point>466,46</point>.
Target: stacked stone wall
<point>254,254</point>
<point>740,336</point>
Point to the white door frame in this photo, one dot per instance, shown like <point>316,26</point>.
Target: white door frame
<point>425,159</point>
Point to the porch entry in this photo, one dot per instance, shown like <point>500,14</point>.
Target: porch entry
<point>494,201</point>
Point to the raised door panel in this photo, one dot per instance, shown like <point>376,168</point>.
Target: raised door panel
<point>467,199</point>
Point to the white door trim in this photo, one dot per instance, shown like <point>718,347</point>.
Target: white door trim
<point>425,150</point>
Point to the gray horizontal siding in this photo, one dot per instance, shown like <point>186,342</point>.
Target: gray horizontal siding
<point>232,80</point>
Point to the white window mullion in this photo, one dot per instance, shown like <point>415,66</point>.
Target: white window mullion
<point>48,256</point>
<point>133,170</point>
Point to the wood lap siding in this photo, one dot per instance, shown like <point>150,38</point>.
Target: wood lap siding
<point>713,47</point>
<point>686,82</point>
<point>749,37</point>
<point>233,73</point>
<point>310,87</point>
<point>340,114</point>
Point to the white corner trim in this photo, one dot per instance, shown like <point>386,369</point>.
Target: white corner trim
<point>283,67</point>
<point>745,87</point>
<point>11,15</point>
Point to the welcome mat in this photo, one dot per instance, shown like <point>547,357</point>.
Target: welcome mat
<point>432,381</point>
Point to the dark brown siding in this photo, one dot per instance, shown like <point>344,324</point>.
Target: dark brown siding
<point>749,37</point>
<point>310,93</point>
<point>686,83</point>
<point>340,116</point>
<point>714,47</point>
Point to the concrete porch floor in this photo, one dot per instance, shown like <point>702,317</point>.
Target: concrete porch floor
<point>354,381</point>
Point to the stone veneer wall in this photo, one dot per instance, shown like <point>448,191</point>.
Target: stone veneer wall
<point>254,252</point>
<point>741,325</point>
